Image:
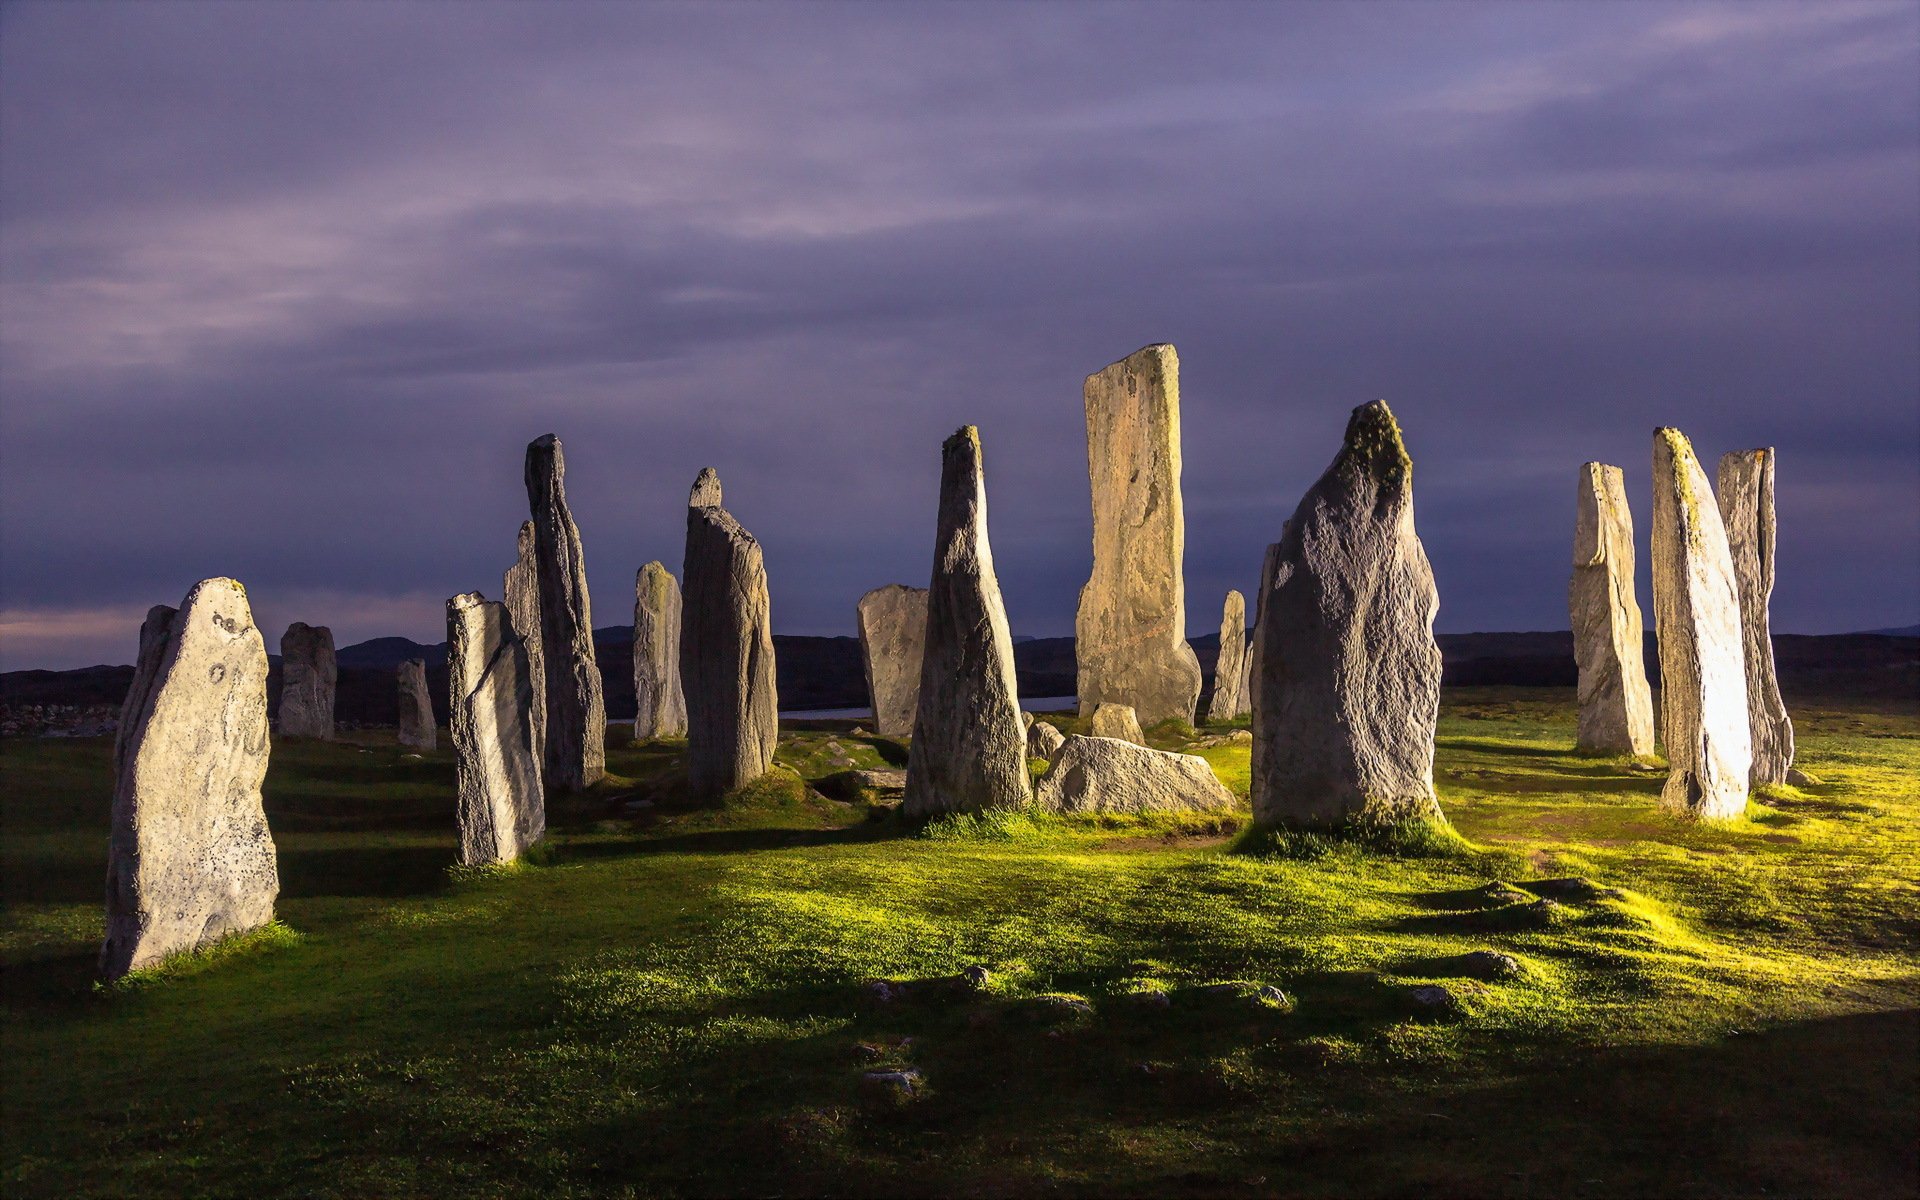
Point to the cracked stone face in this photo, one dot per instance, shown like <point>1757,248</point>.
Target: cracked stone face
<point>576,717</point>
<point>660,703</point>
<point>500,809</point>
<point>1745,492</point>
<point>1616,706</point>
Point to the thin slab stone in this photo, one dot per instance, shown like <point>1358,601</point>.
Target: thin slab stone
<point>1616,706</point>
<point>1230,667</point>
<point>417,727</point>
<point>660,701</point>
<point>1745,491</point>
<point>576,729</point>
<point>1105,775</point>
<point>521,587</point>
<point>893,641</point>
<point>308,675</point>
<point>500,808</point>
<point>726,650</point>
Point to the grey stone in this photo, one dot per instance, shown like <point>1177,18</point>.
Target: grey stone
<point>969,749</point>
<point>417,726</point>
<point>892,1088</point>
<point>190,858</point>
<point>726,651</point>
<point>1703,671</point>
<point>1745,492</point>
<point>521,587</point>
<point>1433,1000</point>
<point>893,629</point>
<point>308,674</point>
<point>1616,706</point>
<point>1044,741</point>
<point>660,703</point>
<point>500,806</point>
<point>1130,633</point>
<point>1097,774</point>
<point>576,731</point>
<point>1230,668</point>
<point>705,492</point>
<point>1347,691</point>
<point>1117,721</point>
<point>1490,965</point>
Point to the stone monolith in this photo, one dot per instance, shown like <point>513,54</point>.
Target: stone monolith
<point>1230,667</point>
<point>1745,493</point>
<point>660,703</point>
<point>969,744</point>
<point>1696,611</point>
<point>308,673</point>
<point>417,727</point>
<point>893,627</point>
<point>1131,630</point>
<point>1347,691</point>
<point>501,809</point>
<point>576,730</point>
<point>1117,721</point>
<point>190,858</point>
<point>1616,706</point>
<point>1097,774</point>
<point>521,588</point>
<point>726,649</point>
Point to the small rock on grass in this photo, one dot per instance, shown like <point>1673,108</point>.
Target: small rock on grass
<point>1576,888</point>
<point>1490,964</point>
<point>892,1089</point>
<point>1433,1000</point>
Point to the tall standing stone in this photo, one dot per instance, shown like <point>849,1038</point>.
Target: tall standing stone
<point>1131,630</point>
<point>726,649</point>
<point>576,733</point>
<point>1616,706</point>
<point>521,587</point>
<point>1230,668</point>
<point>969,743</point>
<point>417,727</point>
<point>893,641</point>
<point>660,703</point>
<point>308,673</point>
<point>1696,611</point>
<point>1745,491</point>
<point>190,858</point>
<point>501,809</point>
<point>1347,692</point>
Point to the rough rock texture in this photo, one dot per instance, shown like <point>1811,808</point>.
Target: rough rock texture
<point>705,492</point>
<point>661,704</point>
<point>1256,645</point>
<point>417,728</point>
<point>726,650</point>
<point>1616,706</point>
<point>1696,609</point>
<point>1347,691</point>
<point>501,809</point>
<point>190,858</point>
<point>1230,669</point>
<point>308,673</point>
<point>893,628</point>
<point>576,731</point>
<point>1097,774</point>
<point>969,747</point>
<point>1745,491</point>
<point>521,587</point>
<point>1118,721</point>
<point>1130,634</point>
<point>1044,741</point>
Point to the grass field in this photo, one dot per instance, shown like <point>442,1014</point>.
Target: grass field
<point>674,1003</point>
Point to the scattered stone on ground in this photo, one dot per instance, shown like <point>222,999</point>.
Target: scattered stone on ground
<point>1104,775</point>
<point>1433,1000</point>
<point>1044,741</point>
<point>1118,721</point>
<point>1490,965</point>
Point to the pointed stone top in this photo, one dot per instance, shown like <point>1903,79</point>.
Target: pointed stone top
<point>967,435</point>
<point>706,489</point>
<point>526,539</point>
<point>652,570</point>
<point>464,601</point>
<point>1373,445</point>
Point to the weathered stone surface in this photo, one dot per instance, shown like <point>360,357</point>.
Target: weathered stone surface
<point>1745,491</point>
<point>661,710</point>
<point>1347,691</point>
<point>893,628</point>
<point>969,749</point>
<point>1118,721</point>
<point>576,731</point>
<point>521,587</point>
<point>1696,609</point>
<point>417,727</point>
<point>190,858</point>
<point>1130,634</point>
<point>726,650</point>
<point>308,673</point>
<point>1044,741</point>
<point>1230,668</point>
<point>705,492</point>
<point>1098,774</point>
<point>501,809</point>
<point>1616,706</point>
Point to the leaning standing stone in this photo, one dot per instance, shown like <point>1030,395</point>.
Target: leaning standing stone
<point>308,674</point>
<point>1696,610</point>
<point>501,809</point>
<point>661,705</point>
<point>417,728</point>
<point>521,587</point>
<point>969,747</point>
<point>1130,635</point>
<point>1230,668</point>
<point>726,649</point>
<point>1745,490</point>
<point>893,628</point>
<point>1347,692</point>
<point>190,859</point>
<point>576,750</point>
<point>1616,707</point>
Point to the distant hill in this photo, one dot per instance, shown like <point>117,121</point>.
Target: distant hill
<point>1902,631</point>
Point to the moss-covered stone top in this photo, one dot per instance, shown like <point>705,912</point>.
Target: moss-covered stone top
<point>1374,444</point>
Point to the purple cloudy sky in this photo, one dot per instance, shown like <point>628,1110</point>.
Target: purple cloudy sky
<point>288,288</point>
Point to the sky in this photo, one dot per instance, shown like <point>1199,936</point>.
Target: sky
<point>286,289</point>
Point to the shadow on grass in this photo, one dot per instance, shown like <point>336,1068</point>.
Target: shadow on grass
<point>728,841</point>
<point>388,872</point>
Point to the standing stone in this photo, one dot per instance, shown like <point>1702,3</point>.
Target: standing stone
<point>417,728</point>
<point>1696,612</point>
<point>501,809</point>
<point>969,747</point>
<point>893,641</point>
<point>1230,668</point>
<point>1347,691</point>
<point>308,673</point>
<point>1118,721</point>
<point>190,858</point>
<point>1745,490</point>
<point>661,704</point>
<point>1130,634</point>
<point>726,649</point>
<point>521,587</point>
<point>1616,707</point>
<point>576,732</point>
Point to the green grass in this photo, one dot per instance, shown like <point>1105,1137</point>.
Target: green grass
<point>675,1003</point>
